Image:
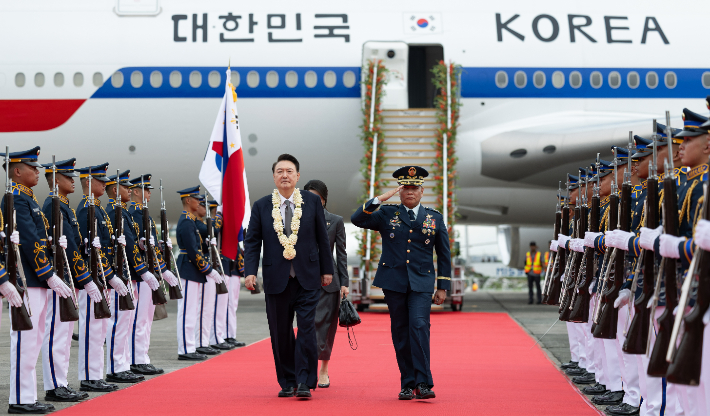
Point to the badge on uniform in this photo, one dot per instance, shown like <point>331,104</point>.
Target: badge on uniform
<point>427,241</point>
<point>391,235</point>
<point>429,225</point>
<point>395,222</point>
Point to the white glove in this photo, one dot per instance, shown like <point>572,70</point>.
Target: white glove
<point>122,240</point>
<point>169,277</point>
<point>96,243</point>
<point>577,244</point>
<point>214,241</point>
<point>63,242</point>
<point>58,285</point>
<point>553,246</point>
<point>669,246</point>
<point>118,285</point>
<point>15,237</point>
<point>226,279</point>
<point>141,243</point>
<point>610,239</point>
<point>10,293</point>
<point>701,235</point>
<point>623,299</point>
<point>706,317</point>
<point>562,240</point>
<point>214,277</point>
<point>2,234</point>
<point>589,238</point>
<point>591,290</point>
<point>622,239</point>
<point>151,241</point>
<point>151,280</point>
<point>169,243</point>
<point>648,237</point>
<point>93,291</point>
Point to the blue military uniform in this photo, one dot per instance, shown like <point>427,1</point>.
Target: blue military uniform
<point>407,275</point>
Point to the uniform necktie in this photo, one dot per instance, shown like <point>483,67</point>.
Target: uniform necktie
<point>287,219</point>
<point>411,215</point>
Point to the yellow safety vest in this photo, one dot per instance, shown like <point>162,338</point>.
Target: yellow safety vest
<point>534,265</point>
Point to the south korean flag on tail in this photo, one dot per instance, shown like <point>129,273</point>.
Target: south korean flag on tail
<point>422,23</point>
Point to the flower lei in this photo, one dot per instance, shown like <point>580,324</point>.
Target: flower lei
<point>287,242</point>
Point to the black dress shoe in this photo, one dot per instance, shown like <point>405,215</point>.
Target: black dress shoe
<point>83,394</point>
<point>406,394</point>
<point>192,356</point>
<point>124,377</point>
<point>287,392</point>
<point>609,399</point>
<point>587,378</point>
<point>595,389</point>
<point>146,369</point>
<point>530,302</point>
<point>154,369</point>
<point>34,408</point>
<point>75,337</point>
<point>97,385</point>
<point>424,392</point>
<point>207,350</point>
<point>62,394</point>
<point>303,391</point>
<point>576,371</point>
<point>568,365</point>
<point>235,342</point>
<point>624,409</point>
<point>222,346</point>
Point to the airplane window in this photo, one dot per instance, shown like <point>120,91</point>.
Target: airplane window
<point>214,79</point>
<point>234,78</point>
<point>117,79</point>
<point>311,79</point>
<point>521,79</point>
<point>558,79</point>
<point>195,79</point>
<point>291,79</point>
<point>20,79</point>
<point>253,79</point>
<point>706,79</point>
<point>575,79</point>
<point>518,153</point>
<point>501,79</point>
<point>78,79</point>
<point>39,79</point>
<point>156,79</point>
<point>175,79</point>
<point>596,79</point>
<point>349,79</point>
<point>137,79</point>
<point>614,79</point>
<point>98,79</point>
<point>539,79</point>
<point>329,79</point>
<point>633,79</point>
<point>59,79</point>
<point>272,79</point>
<point>670,79</point>
<point>651,79</point>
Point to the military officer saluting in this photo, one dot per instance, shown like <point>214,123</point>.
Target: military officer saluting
<point>410,235</point>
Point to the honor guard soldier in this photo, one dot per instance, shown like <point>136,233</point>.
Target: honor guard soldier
<point>410,235</point>
<point>57,336</point>
<point>196,272</point>
<point>92,331</point>
<point>118,336</point>
<point>145,283</point>
<point>31,238</point>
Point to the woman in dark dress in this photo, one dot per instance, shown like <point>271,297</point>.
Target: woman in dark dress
<point>330,296</point>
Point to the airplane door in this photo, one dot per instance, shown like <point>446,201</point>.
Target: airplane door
<point>395,57</point>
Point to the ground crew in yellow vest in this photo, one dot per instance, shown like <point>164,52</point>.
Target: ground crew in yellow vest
<point>533,268</point>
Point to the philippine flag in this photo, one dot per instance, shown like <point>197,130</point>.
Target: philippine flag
<point>223,173</point>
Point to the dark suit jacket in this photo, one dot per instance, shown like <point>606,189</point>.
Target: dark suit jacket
<point>336,236</point>
<point>313,257</point>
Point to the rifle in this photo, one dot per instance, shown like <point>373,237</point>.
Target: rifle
<point>168,256</point>
<point>685,363</point>
<point>68,307</point>
<point>552,261</point>
<point>125,302</point>
<point>20,316</point>
<point>556,283</point>
<point>658,366</point>
<point>637,334</point>
<point>575,270</point>
<point>102,309</point>
<point>215,258</point>
<point>160,294</point>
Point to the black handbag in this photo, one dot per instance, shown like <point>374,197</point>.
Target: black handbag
<point>348,317</point>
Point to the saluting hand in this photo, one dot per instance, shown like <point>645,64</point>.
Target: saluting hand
<point>389,194</point>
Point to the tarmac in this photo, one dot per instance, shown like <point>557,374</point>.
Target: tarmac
<point>253,327</point>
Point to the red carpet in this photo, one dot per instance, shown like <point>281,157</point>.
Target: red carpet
<point>481,362</point>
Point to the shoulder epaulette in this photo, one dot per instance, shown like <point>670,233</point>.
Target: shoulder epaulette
<point>432,209</point>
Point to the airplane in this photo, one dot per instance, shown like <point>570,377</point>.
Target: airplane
<point>138,83</point>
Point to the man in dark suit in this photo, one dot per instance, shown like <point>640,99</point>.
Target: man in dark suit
<point>410,234</point>
<point>297,261</point>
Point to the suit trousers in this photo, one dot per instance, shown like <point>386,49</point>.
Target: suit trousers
<point>295,358</point>
<point>234,286</point>
<point>92,335</point>
<point>25,347</point>
<point>327,322</point>
<point>140,331</point>
<point>118,337</point>
<point>409,323</point>
<point>56,345</point>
